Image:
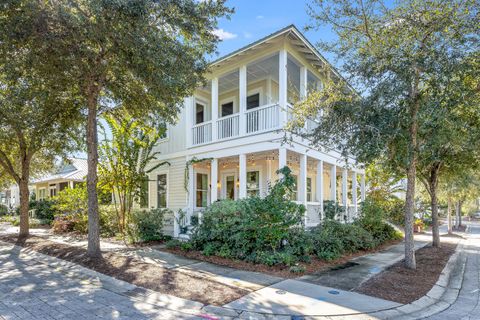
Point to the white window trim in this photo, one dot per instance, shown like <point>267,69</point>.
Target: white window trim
<point>233,99</point>
<point>44,196</point>
<point>206,115</point>
<point>156,174</point>
<point>224,175</point>
<point>209,186</point>
<point>258,168</point>
<point>261,96</point>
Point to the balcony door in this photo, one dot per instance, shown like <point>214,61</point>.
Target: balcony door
<point>253,117</point>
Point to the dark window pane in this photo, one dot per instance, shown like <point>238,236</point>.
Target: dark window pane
<point>200,113</point>
<point>144,193</point>
<point>227,109</point>
<point>162,191</point>
<point>202,190</point>
<point>253,101</point>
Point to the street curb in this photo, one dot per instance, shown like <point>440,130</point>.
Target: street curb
<point>442,295</point>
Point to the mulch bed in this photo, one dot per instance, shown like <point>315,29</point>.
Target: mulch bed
<point>139,273</point>
<point>315,266</point>
<point>403,285</point>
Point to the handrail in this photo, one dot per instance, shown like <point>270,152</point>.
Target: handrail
<point>202,124</point>
<point>261,107</point>
<point>229,116</point>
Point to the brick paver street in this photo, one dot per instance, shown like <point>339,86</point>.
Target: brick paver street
<point>32,290</point>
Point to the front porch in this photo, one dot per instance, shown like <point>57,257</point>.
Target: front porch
<point>249,174</point>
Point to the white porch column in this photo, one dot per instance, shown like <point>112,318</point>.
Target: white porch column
<point>303,82</point>
<point>214,108</point>
<point>282,86</point>
<point>333,183</point>
<point>319,186</point>
<point>345,193</point>
<point>242,90</point>
<point>302,183</point>
<point>344,186</point>
<point>189,111</point>
<point>214,180</point>
<point>282,158</point>
<point>242,176</point>
<point>269,175</point>
<point>354,192</point>
<point>191,188</point>
<point>362,187</point>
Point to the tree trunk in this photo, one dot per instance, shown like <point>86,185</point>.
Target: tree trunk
<point>449,215</point>
<point>93,249</point>
<point>409,210</point>
<point>24,207</point>
<point>459,213</point>
<point>432,184</point>
<point>24,194</point>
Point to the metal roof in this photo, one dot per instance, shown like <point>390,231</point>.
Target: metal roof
<point>75,170</point>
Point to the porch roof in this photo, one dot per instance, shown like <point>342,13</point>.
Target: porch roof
<point>296,38</point>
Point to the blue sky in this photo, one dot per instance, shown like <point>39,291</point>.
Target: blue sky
<point>255,19</point>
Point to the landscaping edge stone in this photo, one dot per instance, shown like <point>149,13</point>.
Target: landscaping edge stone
<point>442,295</point>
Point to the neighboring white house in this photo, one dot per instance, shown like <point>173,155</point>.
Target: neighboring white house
<point>10,197</point>
<point>235,123</point>
<point>70,173</point>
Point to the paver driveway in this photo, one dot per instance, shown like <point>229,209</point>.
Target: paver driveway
<point>32,290</point>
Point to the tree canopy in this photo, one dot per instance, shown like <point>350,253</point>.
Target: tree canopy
<point>400,60</point>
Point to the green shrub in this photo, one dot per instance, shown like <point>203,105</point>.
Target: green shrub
<point>333,210</point>
<point>44,209</point>
<point>108,220</point>
<point>147,225</point>
<point>173,244</point>
<point>72,201</point>
<point>3,210</point>
<point>262,230</point>
<point>372,220</point>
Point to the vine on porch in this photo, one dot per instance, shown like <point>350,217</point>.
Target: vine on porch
<point>187,166</point>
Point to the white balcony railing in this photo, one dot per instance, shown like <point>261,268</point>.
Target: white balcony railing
<point>262,118</point>
<point>227,127</point>
<point>202,133</point>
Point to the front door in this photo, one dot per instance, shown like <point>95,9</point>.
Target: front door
<point>229,186</point>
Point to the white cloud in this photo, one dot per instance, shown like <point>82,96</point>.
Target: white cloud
<point>260,17</point>
<point>247,35</point>
<point>224,35</point>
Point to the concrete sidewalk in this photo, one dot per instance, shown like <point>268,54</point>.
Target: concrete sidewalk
<point>276,298</point>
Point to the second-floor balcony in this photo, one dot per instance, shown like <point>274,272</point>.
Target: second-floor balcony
<point>256,97</point>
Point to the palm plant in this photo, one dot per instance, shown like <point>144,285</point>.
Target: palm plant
<point>128,155</point>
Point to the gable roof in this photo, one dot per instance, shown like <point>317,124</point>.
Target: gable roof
<point>74,170</point>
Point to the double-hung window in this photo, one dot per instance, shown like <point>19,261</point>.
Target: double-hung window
<point>162,191</point>
<point>295,188</point>
<point>309,189</point>
<point>201,190</point>
<point>253,183</point>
